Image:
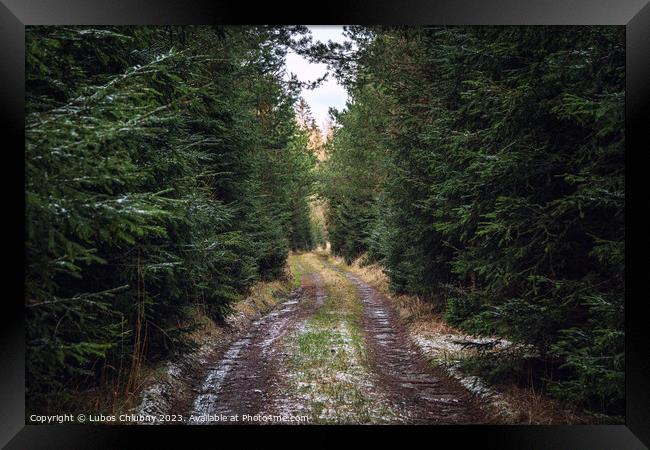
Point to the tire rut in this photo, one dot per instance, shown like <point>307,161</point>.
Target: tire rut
<point>421,392</point>
<point>245,381</point>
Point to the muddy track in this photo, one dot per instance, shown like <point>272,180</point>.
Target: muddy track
<point>422,393</point>
<point>244,379</point>
<point>248,376</point>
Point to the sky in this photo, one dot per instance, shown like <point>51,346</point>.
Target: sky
<point>329,93</point>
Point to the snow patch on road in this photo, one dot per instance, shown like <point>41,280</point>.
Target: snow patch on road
<point>448,350</point>
<point>159,397</point>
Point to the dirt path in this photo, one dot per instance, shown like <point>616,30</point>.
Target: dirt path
<point>334,352</point>
<point>244,381</point>
<point>423,393</point>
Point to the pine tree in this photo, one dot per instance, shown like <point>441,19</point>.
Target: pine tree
<point>483,168</point>
<point>163,170</point>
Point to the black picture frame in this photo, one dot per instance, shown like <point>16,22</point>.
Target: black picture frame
<point>16,14</point>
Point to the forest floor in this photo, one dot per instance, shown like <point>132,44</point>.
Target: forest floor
<point>335,351</point>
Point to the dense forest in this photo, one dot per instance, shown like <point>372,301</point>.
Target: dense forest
<point>164,169</point>
<point>483,168</point>
<point>171,168</point>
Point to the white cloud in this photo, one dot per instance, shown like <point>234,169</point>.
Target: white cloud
<point>328,94</point>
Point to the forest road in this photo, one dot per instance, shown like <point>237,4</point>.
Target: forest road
<point>256,378</point>
<point>244,381</point>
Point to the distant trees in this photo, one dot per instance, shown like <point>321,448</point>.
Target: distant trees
<point>164,169</point>
<point>483,167</point>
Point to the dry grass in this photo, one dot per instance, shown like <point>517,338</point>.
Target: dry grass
<point>534,408</point>
<point>110,398</point>
<point>206,328</point>
<point>432,324</point>
<point>262,297</point>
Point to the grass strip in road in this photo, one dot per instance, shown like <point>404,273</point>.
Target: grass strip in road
<point>296,268</point>
<point>328,365</point>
